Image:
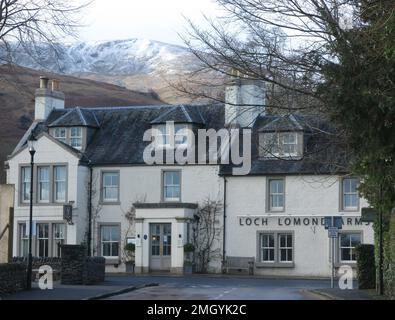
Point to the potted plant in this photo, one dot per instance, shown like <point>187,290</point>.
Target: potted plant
<point>129,249</point>
<point>189,248</point>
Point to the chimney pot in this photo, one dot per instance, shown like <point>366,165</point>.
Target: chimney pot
<point>55,85</point>
<point>44,82</point>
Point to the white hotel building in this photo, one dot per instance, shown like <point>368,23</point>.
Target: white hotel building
<point>274,214</point>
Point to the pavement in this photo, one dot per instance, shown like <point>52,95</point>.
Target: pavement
<point>193,287</point>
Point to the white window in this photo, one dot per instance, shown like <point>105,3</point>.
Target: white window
<point>110,186</point>
<point>25,177</point>
<point>267,247</point>
<point>42,239</point>
<point>282,144</point>
<point>289,143</point>
<point>348,243</point>
<point>60,183</point>
<point>76,138</point>
<point>58,238</point>
<point>350,194</point>
<point>60,134</point>
<point>285,247</point>
<point>276,194</point>
<point>171,135</point>
<point>276,248</point>
<point>24,240</point>
<point>110,238</point>
<point>181,134</point>
<point>172,185</point>
<point>43,184</point>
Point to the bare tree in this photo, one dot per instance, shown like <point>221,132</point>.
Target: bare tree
<point>285,43</point>
<point>206,234</point>
<point>35,26</point>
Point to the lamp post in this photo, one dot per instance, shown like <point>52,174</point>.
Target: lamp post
<point>32,152</point>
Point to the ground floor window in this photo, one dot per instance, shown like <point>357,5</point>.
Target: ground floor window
<point>275,247</point>
<point>46,240</point>
<point>110,237</point>
<point>347,244</point>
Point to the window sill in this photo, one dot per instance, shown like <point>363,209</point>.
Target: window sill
<point>112,261</point>
<point>46,204</point>
<point>352,264</point>
<point>274,265</point>
<point>115,203</point>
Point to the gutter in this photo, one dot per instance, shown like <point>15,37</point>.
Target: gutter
<point>90,210</point>
<point>224,229</point>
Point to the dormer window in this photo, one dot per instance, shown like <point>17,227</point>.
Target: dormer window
<point>73,136</point>
<point>61,134</point>
<point>172,135</point>
<point>281,144</point>
<point>76,138</point>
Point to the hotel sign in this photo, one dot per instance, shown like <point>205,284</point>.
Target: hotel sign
<point>256,221</point>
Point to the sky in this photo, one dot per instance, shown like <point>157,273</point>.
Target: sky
<point>149,19</point>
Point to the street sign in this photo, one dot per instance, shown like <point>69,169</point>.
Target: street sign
<point>369,215</point>
<point>333,232</point>
<point>68,213</point>
<point>336,222</point>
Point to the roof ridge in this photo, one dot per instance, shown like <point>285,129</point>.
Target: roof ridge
<point>186,113</point>
<point>82,116</point>
<point>60,118</point>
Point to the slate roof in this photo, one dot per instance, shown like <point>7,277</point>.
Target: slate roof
<point>117,137</point>
<point>75,117</point>
<point>181,114</point>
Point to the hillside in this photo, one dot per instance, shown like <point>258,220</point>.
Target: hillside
<point>17,86</point>
<point>136,64</point>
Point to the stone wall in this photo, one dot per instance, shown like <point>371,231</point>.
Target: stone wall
<point>12,278</point>
<point>77,268</point>
<point>6,203</point>
<point>54,263</point>
<point>389,259</point>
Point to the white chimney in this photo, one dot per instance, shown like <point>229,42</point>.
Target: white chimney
<point>244,102</point>
<point>47,99</point>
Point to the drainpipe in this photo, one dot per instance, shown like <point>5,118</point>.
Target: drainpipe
<point>224,229</point>
<point>90,211</point>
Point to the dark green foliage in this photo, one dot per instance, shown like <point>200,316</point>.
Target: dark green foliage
<point>366,266</point>
<point>131,247</point>
<point>189,247</point>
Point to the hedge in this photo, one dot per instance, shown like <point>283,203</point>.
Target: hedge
<point>389,259</point>
<point>366,268</point>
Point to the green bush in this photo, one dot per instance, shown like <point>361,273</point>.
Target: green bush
<point>130,247</point>
<point>189,247</point>
<point>366,267</point>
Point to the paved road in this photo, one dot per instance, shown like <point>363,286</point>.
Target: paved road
<point>195,287</point>
<point>224,288</point>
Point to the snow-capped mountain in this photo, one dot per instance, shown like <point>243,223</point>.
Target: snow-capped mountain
<point>115,58</point>
<point>136,64</point>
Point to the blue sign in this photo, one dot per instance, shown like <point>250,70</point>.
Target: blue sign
<point>333,222</point>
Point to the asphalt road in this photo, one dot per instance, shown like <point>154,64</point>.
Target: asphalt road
<point>224,288</point>
<point>195,287</point>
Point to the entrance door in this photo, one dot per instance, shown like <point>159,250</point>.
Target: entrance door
<point>160,254</point>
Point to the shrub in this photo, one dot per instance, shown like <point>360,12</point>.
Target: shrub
<point>366,267</point>
<point>189,247</point>
<point>130,247</point>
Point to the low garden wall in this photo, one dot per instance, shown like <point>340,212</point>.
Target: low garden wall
<point>79,269</point>
<point>12,278</point>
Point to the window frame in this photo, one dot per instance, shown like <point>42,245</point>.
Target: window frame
<point>22,193</point>
<point>47,239</point>
<point>164,199</point>
<point>102,187</point>
<point>277,263</point>
<point>110,259</point>
<point>35,243</point>
<point>36,190</point>
<point>39,182</point>
<point>59,137</point>
<point>80,137</point>
<point>342,207</point>
<point>55,181</point>
<point>277,142</point>
<point>269,207</point>
<point>338,258</point>
<point>164,137</point>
